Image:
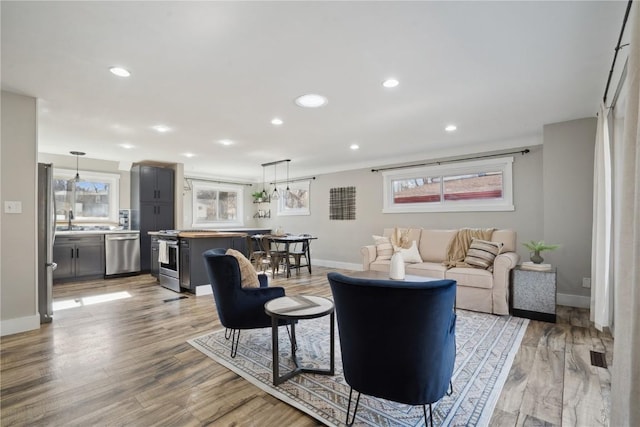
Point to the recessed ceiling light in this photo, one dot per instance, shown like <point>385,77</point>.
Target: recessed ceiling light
<point>354,146</point>
<point>226,142</point>
<point>390,83</point>
<point>451,128</point>
<point>161,128</point>
<point>120,72</point>
<point>276,121</point>
<point>127,146</point>
<point>188,155</point>
<point>311,100</point>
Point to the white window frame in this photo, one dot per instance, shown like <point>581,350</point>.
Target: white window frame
<point>504,164</point>
<point>114,195</point>
<point>212,186</point>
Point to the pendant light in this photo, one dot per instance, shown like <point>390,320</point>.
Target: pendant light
<point>77,154</point>
<point>275,194</point>
<point>264,192</point>
<point>287,191</point>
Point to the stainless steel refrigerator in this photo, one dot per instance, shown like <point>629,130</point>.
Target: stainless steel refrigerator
<point>46,236</point>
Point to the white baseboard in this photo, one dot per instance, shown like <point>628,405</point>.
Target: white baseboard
<point>204,290</point>
<point>569,300</point>
<point>20,324</point>
<point>336,264</point>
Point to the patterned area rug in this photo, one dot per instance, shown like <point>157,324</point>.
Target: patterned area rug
<point>486,346</point>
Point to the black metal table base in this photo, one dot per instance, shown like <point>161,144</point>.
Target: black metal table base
<point>279,379</point>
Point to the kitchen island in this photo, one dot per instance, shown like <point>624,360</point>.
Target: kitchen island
<point>184,269</point>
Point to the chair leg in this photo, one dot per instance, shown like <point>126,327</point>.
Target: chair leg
<point>227,333</point>
<point>450,392</point>
<point>424,411</point>
<point>355,409</point>
<point>235,339</point>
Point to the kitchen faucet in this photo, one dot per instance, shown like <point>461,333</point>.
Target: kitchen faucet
<point>70,218</point>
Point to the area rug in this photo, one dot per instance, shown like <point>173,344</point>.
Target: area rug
<point>485,348</point>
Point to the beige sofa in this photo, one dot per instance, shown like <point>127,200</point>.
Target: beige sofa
<point>478,289</point>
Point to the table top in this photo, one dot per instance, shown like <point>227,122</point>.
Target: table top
<point>381,275</point>
<point>285,237</point>
<point>299,307</point>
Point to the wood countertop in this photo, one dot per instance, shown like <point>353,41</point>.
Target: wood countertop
<point>203,234</point>
<point>209,234</point>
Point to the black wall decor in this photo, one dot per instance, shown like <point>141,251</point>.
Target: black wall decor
<point>342,203</point>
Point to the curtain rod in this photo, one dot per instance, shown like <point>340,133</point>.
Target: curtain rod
<point>293,180</point>
<point>277,162</point>
<point>523,152</point>
<point>248,184</point>
<point>618,47</point>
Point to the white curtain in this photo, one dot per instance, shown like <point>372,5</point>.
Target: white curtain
<point>625,379</point>
<point>601,292</point>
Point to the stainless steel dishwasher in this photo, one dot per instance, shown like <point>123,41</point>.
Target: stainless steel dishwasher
<point>122,253</point>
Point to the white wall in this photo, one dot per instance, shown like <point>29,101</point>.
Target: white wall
<point>18,252</point>
<point>340,241</point>
<point>568,202</point>
<point>87,163</point>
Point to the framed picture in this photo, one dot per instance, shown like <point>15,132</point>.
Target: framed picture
<point>296,202</point>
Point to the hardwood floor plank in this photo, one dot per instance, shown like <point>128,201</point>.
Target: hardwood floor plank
<point>582,398</point>
<point>127,362</point>
<point>543,395</point>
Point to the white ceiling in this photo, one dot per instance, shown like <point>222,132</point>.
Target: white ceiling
<point>216,70</point>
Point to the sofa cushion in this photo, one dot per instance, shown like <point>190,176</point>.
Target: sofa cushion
<point>384,248</point>
<point>380,265</point>
<point>481,253</point>
<point>434,243</point>
<point>248,274</point>
<point>427,269</point>
<point>410,255</point>
<point>473,277</point>
<point>507,238</point>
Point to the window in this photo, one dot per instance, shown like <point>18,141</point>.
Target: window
<point>216,204</point>
<point>482,185</point>
<point>94,198</point>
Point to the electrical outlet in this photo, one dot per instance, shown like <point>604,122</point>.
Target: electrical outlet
<point>12,207</point>
<point>586,282</point>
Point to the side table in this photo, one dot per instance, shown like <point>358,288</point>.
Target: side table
<point>296,308</point>
<point>533,294</point>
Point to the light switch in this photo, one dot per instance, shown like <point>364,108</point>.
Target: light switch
<point>12,207</point>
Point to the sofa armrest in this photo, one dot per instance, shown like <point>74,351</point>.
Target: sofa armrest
<point>369,254</point>
<point>502,266</point>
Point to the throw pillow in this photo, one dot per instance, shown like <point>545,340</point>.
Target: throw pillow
<point>481,253</point>
<point>384,249</point>
<point>248,275</point>
<point>410,255</point>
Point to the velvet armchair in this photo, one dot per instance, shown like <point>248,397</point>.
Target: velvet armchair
<point>238,308</point>
<point>397,338</point>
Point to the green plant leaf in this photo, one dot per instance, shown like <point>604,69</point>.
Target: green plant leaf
<point>540,246</point>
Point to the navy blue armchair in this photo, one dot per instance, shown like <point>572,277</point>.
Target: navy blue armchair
<point>397,338</point>
<point>238,308</point>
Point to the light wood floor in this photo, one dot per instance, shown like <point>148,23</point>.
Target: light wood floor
<point>127,362</point>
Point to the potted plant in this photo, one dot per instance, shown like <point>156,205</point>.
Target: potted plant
<point>536,248</point>
<point>257,196</point>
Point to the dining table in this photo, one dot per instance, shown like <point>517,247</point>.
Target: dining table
<point>287,240</point>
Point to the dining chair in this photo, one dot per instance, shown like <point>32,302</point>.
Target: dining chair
<point>255,251</point>
<point>297,253</point>
<point>272,258</point>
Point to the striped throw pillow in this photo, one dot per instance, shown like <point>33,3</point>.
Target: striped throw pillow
<point>384,249</point>
<point>481,254</point>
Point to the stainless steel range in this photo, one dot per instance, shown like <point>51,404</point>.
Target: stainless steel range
<point>169,259</point>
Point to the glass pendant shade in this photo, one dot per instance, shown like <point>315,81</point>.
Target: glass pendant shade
<point>77,154</point>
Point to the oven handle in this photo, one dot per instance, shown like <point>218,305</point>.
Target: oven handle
<point>169,242</point>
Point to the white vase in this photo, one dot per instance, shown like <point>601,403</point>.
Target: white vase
<point>396,271</point>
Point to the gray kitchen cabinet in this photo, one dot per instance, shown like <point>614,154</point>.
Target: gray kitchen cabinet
<point>152,205</point>
<point>155,249</point>
<point>78,257</point>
